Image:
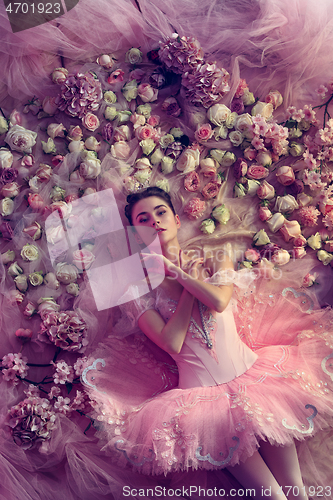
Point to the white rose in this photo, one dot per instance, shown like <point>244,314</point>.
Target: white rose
<point>110,97</point>
<point>92,143</point>
<point>188,160</point>
<point>29,252</point>
<point>10,190</point>
<point>166,140</point>
<point>55,234</point>
<point>6,206</point>
<point>122,133</point>
<point>324,257</point>
<point>281,257</point>
<point>314,241</point>
<point>49,147</point>
<point>147,145</point>
<point>167,165</point>
<point>133,56</point>
<point>261,238</point>
<point>20,139</point>
<point>76,146</point>
<point>14,269</point>
<point>66,273</point>
<point>252,187</point>
<point>143,175</point>
<point>51,281</point>
<point>130,90</point>
<point>123,116</point>
<point>36,278</point>
<point>47,304</point>
<point>6,158</point>
<point>244,123</point>
<point>217,154</point>
<point>264,157</point>
<point>228,159</point>
<point>220,132</point>
<point>285,203</point>
<point>21,282</point>
<point>8,256</point>
<point>231,120</point>
<point>163,184</point>
<point>90,169</point>
<point>276,222</point>
<point>73,289</point>
<point>236,137</point>
<point>110,113</point>
<point>142,163</point>
<point>248,98</point>
<point>265,109</point>
<point>218,114</point>
<point>56,130</point>
<point>304,199</point>
<point>3,125</point>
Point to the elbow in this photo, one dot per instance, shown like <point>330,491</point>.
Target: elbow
<point>173,349</point>
<point>220,306</point>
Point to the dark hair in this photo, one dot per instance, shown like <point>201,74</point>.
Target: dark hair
<point>132,199</point>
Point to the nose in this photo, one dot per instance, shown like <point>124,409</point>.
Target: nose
<point>155,222</point>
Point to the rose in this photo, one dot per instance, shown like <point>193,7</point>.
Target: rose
<point>20,139</point>
<point>144,109</point>
<point>263,109</point>
<point>228,159</point>
<point>147,146</point>
<point>211,190</point>
<point>207,226</point>
<point>143,175</point>
<point>203,132</point>
<point>8,256</point>
<point>83,259</point>
<point>265,191</point>
<point>166,140</point>
<point>244,124</point>
<point>264,213</point>
<point>309,280</point>
<point>296,149</point>
<point>21,283</point>
<point>44,172</point>
<point>217,154</point>
<point>264,157</point>
<point>154,120</point>
<point>49,147</point>
<point>252,255</point>
<point>62,207</point>
<point>29,310</point>
<point>14,269</point>
<point>252,187</point>
<point>75,133</point>
<point>208,167</point>
<point>218,114</point>
<point>220,132</point>
<point>236,138</point>
<point>248,98</point>
<point>239,190</point>
<point>250,154</point>
<point>55,234</point>
<point>195,208</point>
<point>49,106</point>
<point>261,238</point>
<point>122,133</point>
<point>144,132</point>
<point>8,175</point>
<point>35,201</point>
<point>15,118</point>
<point>275,98</point>
<point>156,157</point>
<point>298,252</point>
<point>221,214</point>
<point>3,125</point>
<point>329,246</point>
<point>47,304</point>
<point>76,177</point>
<point>192,181</point>
<point>188,160</point>
<point>92,143</point>
<point>276,222</point>
<point>106,61</point>
<point>24,334</point>
<point>147,92</point>
<point>240,168</point>
<point>6,158</point>
<point>295,188</point>
<point>90,122</point>
<point>73,289</point>
<point>116,76</point>
<point>142,163</point>
<point>15,296</point>
<point>138,120</point>
<point>56,130</point>
<point>10,190</point>
<point>281,257</point>
<point>303,199</point>
<point>6,207</point>
<point>76,146</point>
<point>51,281</point>
<point>257,172</point>
<point>167,165</point>
<point>290,229</point>
<point>130,90</point>
<point>36,278</point>
<point>133,56</point>
<point>324,257</point>
<point>314,241</point>
<point>285,204</point>
<point>285,175</point>
<point>29,252</point>
<point>59,75</point>
<point>299,241</point>
<point>34,231</point>
<point>120,150</point>
<point>66,273</point>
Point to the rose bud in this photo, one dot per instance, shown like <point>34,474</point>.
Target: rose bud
<point>106,61</point>
<point>324,257</point>
<point>252,255</point>
<point>29,310</point>
<point>51,281</point>
<point>298,252</point>
<point>15,296</point>
<point>281,257</point>
<point>23,334</point>
<point>8,256</point>
<point>276,222</point>
<point>10,190</point>
<point>21,282</point>
<point>309,280</point>
<point>264,214</point>
<point>59,75</point>
<point>240,168</point>
<point>285,175</point>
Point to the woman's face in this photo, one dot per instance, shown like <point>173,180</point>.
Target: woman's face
<point>152,216</point>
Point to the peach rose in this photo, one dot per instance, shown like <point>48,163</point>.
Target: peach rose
<point>264,214</point>
<point>91,122</point>
<point>265,191</point>
<point>147,92</point>
<point>203,132</point>
<point>257,172</point>
<point>285,175</point>
<point>290,229</point>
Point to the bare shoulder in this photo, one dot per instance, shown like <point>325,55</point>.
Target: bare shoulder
<point>218,262</point>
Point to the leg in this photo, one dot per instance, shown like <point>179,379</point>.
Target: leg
<point>283,462</point>
<point>255,474</point>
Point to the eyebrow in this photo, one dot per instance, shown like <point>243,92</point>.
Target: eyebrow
<point>155,208</point>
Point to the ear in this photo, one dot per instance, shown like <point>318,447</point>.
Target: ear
<point>178,221</point>
<point>138,238</point>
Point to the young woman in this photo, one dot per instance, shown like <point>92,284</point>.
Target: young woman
<point>233,407</point>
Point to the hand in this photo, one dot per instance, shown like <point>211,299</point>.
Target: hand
<point>158,263</point>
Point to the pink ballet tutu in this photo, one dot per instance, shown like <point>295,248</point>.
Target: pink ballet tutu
<point>285,395</point>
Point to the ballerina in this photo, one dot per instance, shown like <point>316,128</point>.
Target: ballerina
<point>205,422</point>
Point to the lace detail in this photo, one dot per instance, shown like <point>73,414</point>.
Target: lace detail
<point>176,442</point>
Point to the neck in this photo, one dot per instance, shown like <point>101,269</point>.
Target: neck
<point>171,251</point>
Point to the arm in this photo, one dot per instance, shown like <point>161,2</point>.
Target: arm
<point>169,336</point>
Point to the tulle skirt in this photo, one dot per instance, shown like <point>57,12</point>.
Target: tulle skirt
<point>285,395</point>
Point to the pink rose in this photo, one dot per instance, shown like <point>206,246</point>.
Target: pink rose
<point>203,133</point>
<point>299,241</point>
<point>281,257</point>
<point>59,75</point>
<point>326,206</point>
<point>250,153</point>
<point>309,280</point>
<point>122,133</point>
<point>290,229</point>
<point>83,259</point>
<point>275,98</point>
<point>195,208</point>
<point>240,168</point>
<point>56,130</point>
<point>75,133</point>
<point>90,121</point>
<point>153,120</point>
<point>285,175</point>
<point>264,214</point>
<point>137,120</point>
<point>257,172</point>
<point>28,161</point>
<point>57,159</point>
<point>23,334</point>
<point>29,310</point>
<point>298,252</point>
<point>35,201</point>
<point>211,190</point>
<point>15,118</point>
<point>116,76</point>
<point>144,132</point>
<point>34,231</point>
<point>192,181</point>
<point>120,150</point>
<point>208,167</point>
<point>265,191</point>
<point>328,246</point>
<point>76,177</point>
<point>44,172</point>
<point>10,190</point>
<point>49,106</point>
<point>71,197</point>
<point>252,255</point>
<point>147,92</point>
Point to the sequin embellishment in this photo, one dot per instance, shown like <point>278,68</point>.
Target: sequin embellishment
<point>92,367</point>
<point>323,365</point>
<point>309,419</point>
<point>299,294</point>
<point>221,463</point>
